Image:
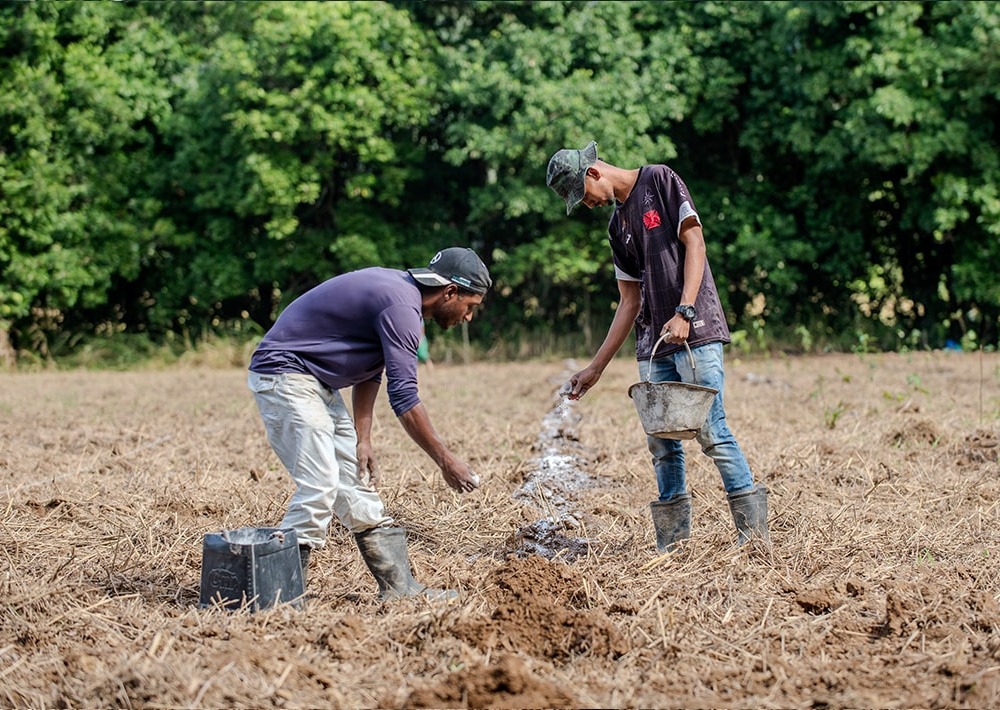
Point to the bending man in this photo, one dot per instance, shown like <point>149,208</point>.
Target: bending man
<point>344,333</point>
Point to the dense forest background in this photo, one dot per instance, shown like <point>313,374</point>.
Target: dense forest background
<point>174,171</point>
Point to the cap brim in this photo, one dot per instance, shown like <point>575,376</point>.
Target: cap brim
<point>578,188</point>
<point>571,189</point>
<point>574,196</point>
<point>572,200</point>
<point>428,277</point>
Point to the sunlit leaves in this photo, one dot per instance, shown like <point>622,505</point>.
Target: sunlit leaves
<point>296,112</point>
<point>165,165</point>
<point>76,96</point>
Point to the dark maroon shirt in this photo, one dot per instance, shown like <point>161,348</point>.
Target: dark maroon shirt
<point>644,232</point>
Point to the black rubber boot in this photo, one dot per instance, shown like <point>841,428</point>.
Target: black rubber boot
<point>384,551</point>
<point>749,511</point>
<point>671,520</point>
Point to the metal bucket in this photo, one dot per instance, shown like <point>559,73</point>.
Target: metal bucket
<point>254,568</point>
<point>672,410</point>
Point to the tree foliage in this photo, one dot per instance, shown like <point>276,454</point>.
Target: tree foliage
<point>80,91</point>
<point>293,145</point>
<point>178,168</point>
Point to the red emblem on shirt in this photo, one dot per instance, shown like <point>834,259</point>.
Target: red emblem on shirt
<point>651,219</point>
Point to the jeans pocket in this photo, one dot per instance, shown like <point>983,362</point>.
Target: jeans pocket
<point>261,383</point>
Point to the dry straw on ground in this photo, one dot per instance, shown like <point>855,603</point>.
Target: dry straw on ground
<point>881,589</point>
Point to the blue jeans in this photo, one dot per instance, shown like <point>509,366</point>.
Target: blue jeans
<point>715,438</point>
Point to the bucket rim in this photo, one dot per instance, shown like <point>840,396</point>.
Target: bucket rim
<point>685,385</point>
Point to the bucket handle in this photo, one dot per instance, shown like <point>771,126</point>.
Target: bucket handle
<point>694,370</point>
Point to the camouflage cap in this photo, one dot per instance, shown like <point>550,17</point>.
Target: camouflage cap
<point>567,169</point>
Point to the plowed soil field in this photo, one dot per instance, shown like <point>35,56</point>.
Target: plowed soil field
<point>881,588</point>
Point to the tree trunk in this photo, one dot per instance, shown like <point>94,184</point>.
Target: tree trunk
<point>8,357</point>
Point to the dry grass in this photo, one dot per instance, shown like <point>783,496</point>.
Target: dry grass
<point>881,589</point>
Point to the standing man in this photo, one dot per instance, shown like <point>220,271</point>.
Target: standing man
<point>344,333</point>
<point>666,288</point>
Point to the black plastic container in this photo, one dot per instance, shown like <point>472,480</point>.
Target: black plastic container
<point>254,568</point>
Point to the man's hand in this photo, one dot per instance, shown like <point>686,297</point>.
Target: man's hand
<point>581,382</point>
<point>677,330</point>
<point>368,465</point>
<point>459,476</point>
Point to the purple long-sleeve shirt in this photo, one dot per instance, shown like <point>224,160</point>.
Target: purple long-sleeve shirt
<point>349,329</point>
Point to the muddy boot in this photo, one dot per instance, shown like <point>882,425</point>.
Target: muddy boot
<point>749,511</point>
<point>671,520</point>
<point>384,551</point>
<point>304,552</point>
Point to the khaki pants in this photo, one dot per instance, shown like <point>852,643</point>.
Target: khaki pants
<point>311,431</point>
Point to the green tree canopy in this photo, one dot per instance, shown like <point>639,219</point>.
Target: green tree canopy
<point>178,168</point>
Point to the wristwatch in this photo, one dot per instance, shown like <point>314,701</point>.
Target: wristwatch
<point>687,311</point>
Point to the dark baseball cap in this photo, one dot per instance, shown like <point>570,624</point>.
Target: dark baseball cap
<point>455,265</point>
<point>567,169</point>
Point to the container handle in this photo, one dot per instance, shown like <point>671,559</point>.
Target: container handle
<point>694,370</point>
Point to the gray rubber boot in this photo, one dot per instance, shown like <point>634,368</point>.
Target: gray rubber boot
<point>749,511</point>
<point>671,520</point>
<point>304,552</point>
<point>384,551</point>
